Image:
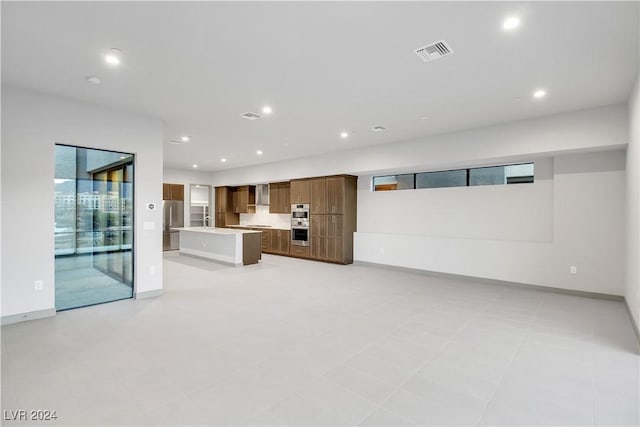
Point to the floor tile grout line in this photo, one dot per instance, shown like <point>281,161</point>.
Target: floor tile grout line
<point>502,377</point>
<point>411,377</point>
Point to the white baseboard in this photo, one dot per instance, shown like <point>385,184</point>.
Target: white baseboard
<point>542,288</point>
<point>31,315</point>
<point>149,294</point>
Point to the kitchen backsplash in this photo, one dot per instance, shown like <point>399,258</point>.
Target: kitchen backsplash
<point>263,217</point>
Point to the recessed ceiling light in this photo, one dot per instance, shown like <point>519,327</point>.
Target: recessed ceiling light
<point>267,109</point>
<point>425,118</point>
<point>184,138</point>
<point>539,93</point>
<point>223,160</point>
<point>194,166</point>
<point>113,57</point>
<point>94,80</point>
<point>511,23</point>
<point>378,129</point>
<point>259,152</point>
<point>344,134</point>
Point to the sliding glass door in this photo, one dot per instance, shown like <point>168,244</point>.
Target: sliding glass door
<point>94,226</point>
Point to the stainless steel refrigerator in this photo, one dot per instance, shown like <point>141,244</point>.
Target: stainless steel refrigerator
<point>172,218</point>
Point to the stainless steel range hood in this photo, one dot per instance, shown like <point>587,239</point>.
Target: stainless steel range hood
<point>262,195</point>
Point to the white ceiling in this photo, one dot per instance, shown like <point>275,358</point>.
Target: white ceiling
<point>323,67</point>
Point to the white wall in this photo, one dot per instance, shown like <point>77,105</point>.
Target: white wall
<point>530,233</point>
<point>571,215</point>
<point>186,178</point>
<point>498,212</point>
<point>632,276</point>
<point>32,123</point>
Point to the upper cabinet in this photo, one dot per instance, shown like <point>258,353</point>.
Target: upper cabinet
<point>336,187</point>
<point>279,200</point>
<point>172,192</point>
<point>328,195</point>
<point>223,199</point>
<point>318,196</point>
<point>244,199</point>
<point>300,191</point>
<point>224,206</point>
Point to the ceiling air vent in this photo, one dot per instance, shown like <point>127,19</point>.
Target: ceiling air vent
<point>378,128</point>
<point>250,116</point>
<point>434,51</point>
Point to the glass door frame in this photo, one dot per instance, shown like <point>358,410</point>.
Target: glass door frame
<point>114,167</point>
<point>130,160</point>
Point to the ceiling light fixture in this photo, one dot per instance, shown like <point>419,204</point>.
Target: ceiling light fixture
<point>175,142</point>
<point>259,152</point>
<point>184,138</point>
<point>539,93</point>
<point>378,129</point>
<point>267,110</point>
<point>344,134</point>
<point>511,23</point>
<point>94,80</point>
<point>223,160</point>
<point>194,166</point>
<point>425,118</point>
<point>113,57</point>
<point>250,116</point>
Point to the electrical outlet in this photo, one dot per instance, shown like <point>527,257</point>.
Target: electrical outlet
<point>573,269</point>
<point>381,250</point>
<point>38,285</point>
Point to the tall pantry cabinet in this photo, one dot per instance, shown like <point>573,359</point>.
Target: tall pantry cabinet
<point>333,217</point>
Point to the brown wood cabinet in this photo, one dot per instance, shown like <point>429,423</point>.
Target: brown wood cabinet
<point>327,237</point>
<point>172,192</point>
<point>328,195</point>
<point>243,199</point>
<point>333,218</point>
<point>300,191</point>
<point>275,241</point>
<point>279,200</point>
<point>222,199</point>
<point>300,251</point>
<point>224,214</point>
<point>266,240</point>
<point>221,220</point>
<point>336,187</point>
<point>318,196</point>
<point>280,241</point>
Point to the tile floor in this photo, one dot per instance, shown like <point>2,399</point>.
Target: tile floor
<point>79,284</point>
<point>293,342</point>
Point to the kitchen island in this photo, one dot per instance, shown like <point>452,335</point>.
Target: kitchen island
<point>233,247</point>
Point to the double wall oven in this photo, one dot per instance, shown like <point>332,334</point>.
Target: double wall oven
<point>300,224</point>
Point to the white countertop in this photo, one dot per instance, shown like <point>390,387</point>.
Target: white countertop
<point>211,230</point>
<point>259,228</point>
